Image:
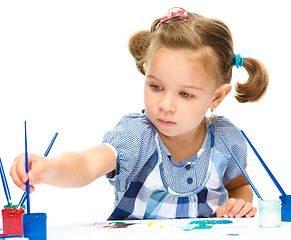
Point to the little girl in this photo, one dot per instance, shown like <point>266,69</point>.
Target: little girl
<point>168,161</point>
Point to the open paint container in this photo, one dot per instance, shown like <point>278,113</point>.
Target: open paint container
<point>12,223</point>
<point>270,213</point>
<point>34,226</point>
<point>286,208</point>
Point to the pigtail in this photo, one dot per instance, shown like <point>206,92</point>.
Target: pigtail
<point>256,86</point>
<point>138,45</point>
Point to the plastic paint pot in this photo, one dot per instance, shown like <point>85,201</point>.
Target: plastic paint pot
<point>12,223</point>
<point>286,208</point>
<point>34,226</point>
<point>270,213</point>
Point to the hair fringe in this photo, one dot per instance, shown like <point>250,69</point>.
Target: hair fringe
<point>256,86</point>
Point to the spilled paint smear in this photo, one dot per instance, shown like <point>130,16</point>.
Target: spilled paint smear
<point>156,223</point>
<point>197,226</point>
<point>204,224</point>
<point>212,221</point>
<point>118,225</point>
<point>113,225</point>
<point>162,224</point>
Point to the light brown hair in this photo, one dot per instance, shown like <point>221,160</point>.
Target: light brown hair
<point>210,36</point>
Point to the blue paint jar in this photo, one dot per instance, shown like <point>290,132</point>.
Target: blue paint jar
<point>34,226</point>
<point>286,208</point>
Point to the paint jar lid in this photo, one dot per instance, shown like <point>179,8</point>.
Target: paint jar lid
<point>286,198</point>
<point>34,217</point>
<point>272,203</point>
<point>14,206</point>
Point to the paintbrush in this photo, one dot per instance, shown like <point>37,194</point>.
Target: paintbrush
<point>26,169</point>
<point>5,184</point>
<point>265,166</point>
<point>242,170</point>
<point>46,154</point>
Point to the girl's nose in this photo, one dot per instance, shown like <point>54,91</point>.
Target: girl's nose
<point>167,103</point>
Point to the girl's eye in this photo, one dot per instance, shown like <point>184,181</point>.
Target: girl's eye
<point>186,95</point>
<point>156,87</point>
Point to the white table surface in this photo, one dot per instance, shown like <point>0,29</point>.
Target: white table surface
<point>164,229</point>
<point>168,229</point>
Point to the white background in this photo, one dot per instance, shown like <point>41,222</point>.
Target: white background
<point>65,67</point>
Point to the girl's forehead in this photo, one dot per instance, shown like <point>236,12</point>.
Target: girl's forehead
<point>198,62</point>
<point>204,56</point>
<point>184,65</point>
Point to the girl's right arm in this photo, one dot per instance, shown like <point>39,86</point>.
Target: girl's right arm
<point>70,169</point>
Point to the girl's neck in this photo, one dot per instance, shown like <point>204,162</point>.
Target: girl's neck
<point>184,147</point>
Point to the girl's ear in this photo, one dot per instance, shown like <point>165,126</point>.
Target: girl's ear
<point>220,94</point>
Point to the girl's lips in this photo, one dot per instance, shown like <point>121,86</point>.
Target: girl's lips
<point>166,122</point>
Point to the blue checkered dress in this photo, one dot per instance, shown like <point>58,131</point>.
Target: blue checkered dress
<point>150,185</point>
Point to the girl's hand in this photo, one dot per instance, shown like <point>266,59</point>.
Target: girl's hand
<point>236,208</point>
<point>40,168</point>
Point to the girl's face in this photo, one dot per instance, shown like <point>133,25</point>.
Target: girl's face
<point>178,92</point>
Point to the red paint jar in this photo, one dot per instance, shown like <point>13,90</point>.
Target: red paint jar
<point>12,221</point>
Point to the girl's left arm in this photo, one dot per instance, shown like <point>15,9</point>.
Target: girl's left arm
<point>240,200</point>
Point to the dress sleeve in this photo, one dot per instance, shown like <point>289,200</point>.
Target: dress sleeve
<point>132,141</point>
<point>235,141</point>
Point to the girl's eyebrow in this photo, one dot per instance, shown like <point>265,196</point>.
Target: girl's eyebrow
<point>151,76</point>
<point>183,86</point>
<point>192,86</point>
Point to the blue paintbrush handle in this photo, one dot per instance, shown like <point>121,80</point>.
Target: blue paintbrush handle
<point>21,202</point>
<point>265,166</point>
<point>51,144</point>
<point>5,184</point>
<point>242,170</point>
<point>27,169</point>
<point>46,154</point>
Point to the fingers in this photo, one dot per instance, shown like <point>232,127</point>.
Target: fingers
<point>251,213</point>
<point>220,211</point>
<point>236,208</point>
<point>31,188</point>
<point>229,205</point>
<point>35,169</point>
<point>18,171</point>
